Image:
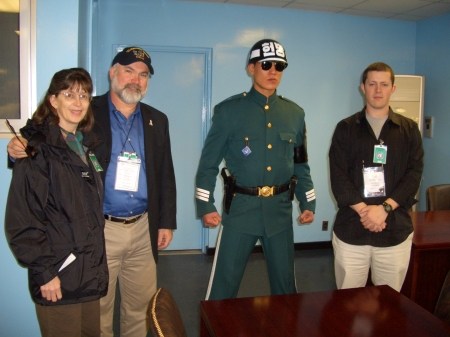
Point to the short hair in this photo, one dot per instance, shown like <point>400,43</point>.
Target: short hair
<point>73,78</point>
<point>377,66</point>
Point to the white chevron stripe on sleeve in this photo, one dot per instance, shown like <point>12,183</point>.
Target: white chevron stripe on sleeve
<point>202,194</point>
<point>310,195</point>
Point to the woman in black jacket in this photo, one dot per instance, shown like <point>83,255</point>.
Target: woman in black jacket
<point>54,221</point>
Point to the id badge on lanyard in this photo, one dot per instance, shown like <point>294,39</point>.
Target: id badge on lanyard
<point>380,154</point>
<point>95,162</point>
<point>374,184</point>
<point>127,174</point>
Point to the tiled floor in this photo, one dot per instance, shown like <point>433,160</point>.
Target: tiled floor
<point>187,277</point>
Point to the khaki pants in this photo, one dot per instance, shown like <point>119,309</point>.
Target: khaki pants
<point>388,265</point>
<point>131,262</point>
<point>69,320</point>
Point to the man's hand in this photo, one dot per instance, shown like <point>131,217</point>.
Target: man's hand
<point>52,290</point>
<point>16,149</point>
<point>358,207</point>
<point>212,219</point>
<point>373,218</point>
<point>306,217</point>
<point>164,237</point>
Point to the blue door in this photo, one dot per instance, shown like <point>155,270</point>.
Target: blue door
<point>180,88</point>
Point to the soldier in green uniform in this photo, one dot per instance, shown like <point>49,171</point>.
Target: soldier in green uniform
<point>262,138</point>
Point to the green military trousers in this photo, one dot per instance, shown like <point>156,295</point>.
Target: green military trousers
<point>233,250</point>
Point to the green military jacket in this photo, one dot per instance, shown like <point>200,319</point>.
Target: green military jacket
<point>271,127</point>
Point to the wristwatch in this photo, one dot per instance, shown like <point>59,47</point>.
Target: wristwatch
<point>387,208</point>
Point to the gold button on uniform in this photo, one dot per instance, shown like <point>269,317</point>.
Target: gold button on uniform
<point>269,125</point>
<point>269,168</point>
<point>266,107</point>
<point>290,140</point>
<point>269,146</point>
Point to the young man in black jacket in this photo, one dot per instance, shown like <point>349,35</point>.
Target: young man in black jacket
<point>376,164</point>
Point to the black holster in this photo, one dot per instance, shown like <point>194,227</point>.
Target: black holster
<point>229,186</point>
<point>292,183</point>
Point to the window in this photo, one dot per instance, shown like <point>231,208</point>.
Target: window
<point>17,63</point>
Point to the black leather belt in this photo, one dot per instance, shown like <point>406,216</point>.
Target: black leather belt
<point>125,221</point>
<point>262,191</point>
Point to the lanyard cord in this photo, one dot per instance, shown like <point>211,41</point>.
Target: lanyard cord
<point>126,134</point>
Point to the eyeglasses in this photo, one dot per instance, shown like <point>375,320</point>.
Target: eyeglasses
<point>71,97</point>
<point>279,66</point>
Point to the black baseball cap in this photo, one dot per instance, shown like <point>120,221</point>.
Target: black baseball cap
<point>131,55</point>
<point>267,50</point>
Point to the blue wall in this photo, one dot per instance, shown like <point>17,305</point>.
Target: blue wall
<point>326,53</point>
<point>433,61</point>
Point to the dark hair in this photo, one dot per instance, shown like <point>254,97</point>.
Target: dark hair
<point>378,66</point>
<point>73,78</point>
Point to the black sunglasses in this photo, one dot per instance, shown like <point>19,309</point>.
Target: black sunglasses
<point>279,66</point>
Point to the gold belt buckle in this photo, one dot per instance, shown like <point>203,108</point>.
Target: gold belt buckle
<point>266,191</point>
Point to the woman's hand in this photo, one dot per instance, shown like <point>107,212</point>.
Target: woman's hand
<point>52,290</point>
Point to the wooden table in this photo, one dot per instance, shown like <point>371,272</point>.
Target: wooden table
<point>369,311</point>
<point>430,258</point>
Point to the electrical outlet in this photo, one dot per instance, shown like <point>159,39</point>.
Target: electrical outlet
<point>325,225</point>
<point>428,127</point>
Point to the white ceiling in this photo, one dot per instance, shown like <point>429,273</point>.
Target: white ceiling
<point>406,10</point>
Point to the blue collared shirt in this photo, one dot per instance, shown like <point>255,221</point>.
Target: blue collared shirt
<point>124,203</point>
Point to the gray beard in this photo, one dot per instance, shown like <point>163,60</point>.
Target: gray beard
<point>127,95</point>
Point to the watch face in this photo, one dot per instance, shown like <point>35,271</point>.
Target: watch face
<point>387,207</point>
